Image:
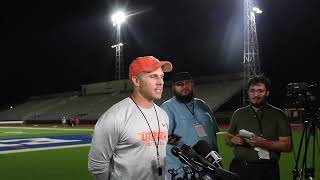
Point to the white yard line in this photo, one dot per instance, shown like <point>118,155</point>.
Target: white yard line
<point>41,149</point>
<point>33,128</point>
<point>13,132</point>
<point>11,122</point>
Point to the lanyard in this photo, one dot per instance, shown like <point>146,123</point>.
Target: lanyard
<point>192,112</point>
<point>259,119</point>
<point>156,144</point>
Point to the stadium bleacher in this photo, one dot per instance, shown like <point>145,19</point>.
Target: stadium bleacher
<point>93,99</point>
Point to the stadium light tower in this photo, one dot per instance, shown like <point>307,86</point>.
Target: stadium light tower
<point>251,63</point>
<point>117,19</point>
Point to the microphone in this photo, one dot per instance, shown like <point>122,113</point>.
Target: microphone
<point>203,148</point>
<point>246,134</point>
<point>189,152</point>
<point>185,159</point>
<point>199,164</point>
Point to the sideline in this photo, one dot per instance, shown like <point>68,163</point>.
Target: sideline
<point>33,128</point>
<point>41,149</point>
<point>26,144</point>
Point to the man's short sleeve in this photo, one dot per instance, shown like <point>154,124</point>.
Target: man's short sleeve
<point>233,124</point>
<point>284,126</point>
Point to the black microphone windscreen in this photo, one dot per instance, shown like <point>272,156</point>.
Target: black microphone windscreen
<point>186,150</point>
<point>175,151</point>
<point>191,154</point>
<point>202,148</point>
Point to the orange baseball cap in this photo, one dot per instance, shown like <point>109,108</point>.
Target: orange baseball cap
<point>148,64</point>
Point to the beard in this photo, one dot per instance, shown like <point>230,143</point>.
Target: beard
<point>184,98</point>
<point>258,103</point>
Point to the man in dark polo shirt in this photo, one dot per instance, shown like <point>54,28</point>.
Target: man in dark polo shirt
<point>266,134</point>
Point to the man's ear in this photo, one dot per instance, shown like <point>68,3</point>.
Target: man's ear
<point>268,92</point>
<point>136,81</point>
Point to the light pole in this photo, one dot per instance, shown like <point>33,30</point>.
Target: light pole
<point>117,19</point>
<point>251,62</point>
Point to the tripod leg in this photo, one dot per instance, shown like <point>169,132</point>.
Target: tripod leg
<point>309,172</point>
<point>295,171</point>
<point>303,165</point>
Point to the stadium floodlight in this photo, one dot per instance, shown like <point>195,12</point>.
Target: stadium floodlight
<point>257,10</point>
<point>118,18</point>
<point>114,46</point>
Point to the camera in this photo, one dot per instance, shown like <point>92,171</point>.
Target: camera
<point>301,96</point>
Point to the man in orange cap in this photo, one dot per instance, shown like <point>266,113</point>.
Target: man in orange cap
<point>130,138</point>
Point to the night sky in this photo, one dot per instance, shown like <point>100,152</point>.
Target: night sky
<point>55,46</point>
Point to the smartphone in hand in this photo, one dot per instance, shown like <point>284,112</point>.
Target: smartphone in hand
<point>174,139</point>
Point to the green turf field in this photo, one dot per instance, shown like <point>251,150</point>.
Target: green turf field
<point>71,163</point>
<point>61,164</point>
<point>8,132</point>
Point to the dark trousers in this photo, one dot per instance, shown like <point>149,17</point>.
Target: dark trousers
<point>256,170</point>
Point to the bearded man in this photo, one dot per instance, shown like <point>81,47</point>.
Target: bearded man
<point>257,152</point>
<point>190,120</point>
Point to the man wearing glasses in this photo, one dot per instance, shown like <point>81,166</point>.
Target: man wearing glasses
<point>190,120</point>
<point>256,152</point>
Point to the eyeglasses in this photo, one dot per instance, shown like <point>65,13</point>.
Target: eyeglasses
<point>182,83</point>
<point>260,91</point>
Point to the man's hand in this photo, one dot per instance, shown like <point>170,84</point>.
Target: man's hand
<point>258,141</point>
<point>174,139</point>
<point>284,144</point>
<point>237,140</point>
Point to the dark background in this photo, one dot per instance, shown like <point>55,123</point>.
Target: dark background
<point>55,46</point>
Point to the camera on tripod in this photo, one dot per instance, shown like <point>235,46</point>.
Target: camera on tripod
<point>300,95</point>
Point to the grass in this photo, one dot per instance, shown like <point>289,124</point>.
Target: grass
<point>32,132</point>
<point>61,164</point>
<point>71,164</point>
